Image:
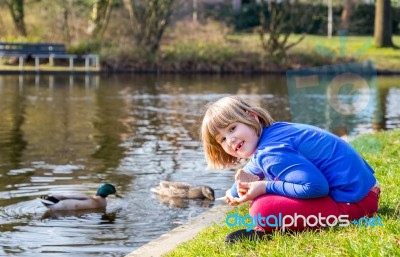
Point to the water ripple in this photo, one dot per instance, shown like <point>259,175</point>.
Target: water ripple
<point>25,209</point>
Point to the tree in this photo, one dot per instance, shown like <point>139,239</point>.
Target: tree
<point>17,12</point>
<point>278,27</point>
<point>149,19</point>
<point>383,23</point>
<point>66,10</point>
<point>346,14</point>
<point>99,17</point>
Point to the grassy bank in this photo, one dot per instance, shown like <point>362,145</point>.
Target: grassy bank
<point>381,150</point>
<point>242,53</point>
<point>206,46</point>
<point>214,50</point>
<point>358,47</point>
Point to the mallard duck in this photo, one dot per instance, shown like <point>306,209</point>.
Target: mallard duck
<point>78,201</point>
<point>183,190</point>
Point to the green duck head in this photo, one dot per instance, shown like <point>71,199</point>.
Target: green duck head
<point>105,190</point>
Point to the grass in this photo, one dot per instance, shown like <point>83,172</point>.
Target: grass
<point>242,52</point>
<point>381,151</point>
<point>47,68</point>
<point>214,49</point>
<point>187,46</point>
<point>361,47</point>
<point>319,50</point>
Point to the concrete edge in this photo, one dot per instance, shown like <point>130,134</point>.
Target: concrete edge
<point>181,234</point>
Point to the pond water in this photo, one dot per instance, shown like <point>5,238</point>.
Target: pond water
<point>61,133</point>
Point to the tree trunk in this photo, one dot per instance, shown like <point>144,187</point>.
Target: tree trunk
<point>17,12</point>
<point>149,19</point>
<point>346,14</point>
<point>66,14</point>
<point>274,32</point>
<point>383,23</point>
<point>99,17</point>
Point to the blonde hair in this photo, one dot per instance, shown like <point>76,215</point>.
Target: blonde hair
<point>220,115</point>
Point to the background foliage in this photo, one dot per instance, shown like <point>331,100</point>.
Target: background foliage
<point>362,18</point>
<point>207,43</point>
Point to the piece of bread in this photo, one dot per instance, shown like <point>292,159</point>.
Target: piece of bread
<point>242,176</point>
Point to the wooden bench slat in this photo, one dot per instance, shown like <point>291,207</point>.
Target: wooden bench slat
<point>32,48</point>
<point>62,56</point>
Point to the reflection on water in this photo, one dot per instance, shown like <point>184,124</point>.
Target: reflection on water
<point>343,97</point>
<point>62,134</point>
<point>392,108</point>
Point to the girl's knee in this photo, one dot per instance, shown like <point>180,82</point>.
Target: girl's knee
<point>268,204</point>
<point>276,204</point>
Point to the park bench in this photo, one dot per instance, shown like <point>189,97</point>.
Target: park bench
<point>39,51</point>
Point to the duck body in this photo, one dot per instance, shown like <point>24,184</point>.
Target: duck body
<point>78,201</point>
<point>183,190</point>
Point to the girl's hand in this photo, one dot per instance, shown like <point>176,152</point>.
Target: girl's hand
<point>241,190</point>
<point>254,189</point>
<point>230,199</point>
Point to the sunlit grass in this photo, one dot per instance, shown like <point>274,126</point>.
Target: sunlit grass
<point>358,47</point>
<point>48,68</point>
<point>381,151</point>
<point>214,48</point>
<point>312,51</point>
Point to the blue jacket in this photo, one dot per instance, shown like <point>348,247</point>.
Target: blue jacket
<point>304,161</point>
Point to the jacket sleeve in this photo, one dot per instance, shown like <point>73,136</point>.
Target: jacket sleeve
<point>234,191</point>
<point>291,174</point>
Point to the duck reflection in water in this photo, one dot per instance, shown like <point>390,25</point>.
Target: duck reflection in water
<point>176,194</point>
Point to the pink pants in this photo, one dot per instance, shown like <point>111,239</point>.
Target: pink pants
<point>272,207</point>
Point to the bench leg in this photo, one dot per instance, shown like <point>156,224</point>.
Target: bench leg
<point>71,64</point>
<point>21,63</point>
<point>97,63</point>
<point>87,64</point>
<point>37,64</point>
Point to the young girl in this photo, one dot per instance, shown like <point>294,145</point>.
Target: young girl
<point>308,176</point>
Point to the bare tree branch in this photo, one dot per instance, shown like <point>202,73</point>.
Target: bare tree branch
<point>149,20</point>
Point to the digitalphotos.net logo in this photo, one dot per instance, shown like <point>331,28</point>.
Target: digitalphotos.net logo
<point>297,220</point>
<point>343,96</point>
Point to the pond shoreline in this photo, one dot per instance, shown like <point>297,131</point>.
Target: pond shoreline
<point>161,72</point>
<point>169,241</point>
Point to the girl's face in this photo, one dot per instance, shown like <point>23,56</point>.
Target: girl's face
<point>238,140</point>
